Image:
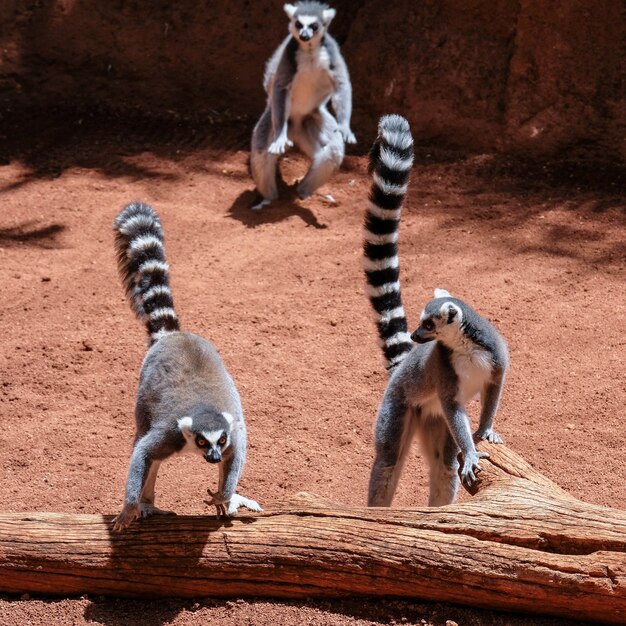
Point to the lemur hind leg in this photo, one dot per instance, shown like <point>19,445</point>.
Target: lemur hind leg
<point>441,452</point>
<point>263,164</point>
<point>395,427</point>
<point>320,139</point>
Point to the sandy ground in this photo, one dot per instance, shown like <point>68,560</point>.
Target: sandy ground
<point>537,248</point>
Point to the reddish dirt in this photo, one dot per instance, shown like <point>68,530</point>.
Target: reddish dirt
<point>538,248</point>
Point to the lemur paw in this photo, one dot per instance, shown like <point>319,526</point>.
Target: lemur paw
<point>128,514</point>
<point>471,466</point>
<point>218,502</point>
<point>228,508</point>
<point>257,206</point>
<point>280,145</point>
<point>488,434</point>
<point>348,135</point>
<point>238,501</point>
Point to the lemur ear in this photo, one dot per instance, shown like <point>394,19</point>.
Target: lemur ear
<point>228,417</point>
<point>184,423</point>
<point>328,15</point>
<point>289,9</point>
<point>450,311</point>
<point>442,293</point>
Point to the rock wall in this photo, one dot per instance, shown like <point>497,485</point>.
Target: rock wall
<point>536,76</point>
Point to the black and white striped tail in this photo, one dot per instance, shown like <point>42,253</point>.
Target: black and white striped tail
<point>391,159</point>
<point>145,274</point>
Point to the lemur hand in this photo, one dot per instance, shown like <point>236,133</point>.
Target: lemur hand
<point>471,466</point>
<point>237,501</point>
<point>228,508</point>
<point>128,514</point>
<point>218,502</point>
<point>347,134</point>
<point>280,145</point>
<point>488,434</point>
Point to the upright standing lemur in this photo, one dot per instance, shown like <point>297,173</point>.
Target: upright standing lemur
<point>459,353</point>
<point>186,401</point>
<point>304,73</point>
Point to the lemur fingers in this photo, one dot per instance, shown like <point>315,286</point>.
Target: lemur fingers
<point>280,145</point>
<point>348,135</point>
<point>218,502</point>
<point>238,501</point>
<point>488,435</point>
<point>471,466</point>
<point>229,508</point>
<point>126,517</point>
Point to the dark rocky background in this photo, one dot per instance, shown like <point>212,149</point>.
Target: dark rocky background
<point>537,77</point>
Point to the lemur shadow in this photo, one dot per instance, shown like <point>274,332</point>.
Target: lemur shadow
<point>277,211</point>
<point>29,233</point>
<point>179,543</point>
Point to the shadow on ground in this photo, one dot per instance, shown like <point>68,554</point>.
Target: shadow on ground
<point>486,191</point>
<point>30,233</point>
<point>47,143</point>
<point>273,213</point>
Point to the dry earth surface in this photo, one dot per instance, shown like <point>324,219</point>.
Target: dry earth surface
<point>539,248</point>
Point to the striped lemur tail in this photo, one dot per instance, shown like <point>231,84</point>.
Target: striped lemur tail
<point>391,159</point>
<point>142,266</point>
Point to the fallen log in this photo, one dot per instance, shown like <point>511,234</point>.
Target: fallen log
<point>520,544</point>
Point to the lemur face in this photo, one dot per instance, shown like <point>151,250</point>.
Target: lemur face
<point>207,435</point>
<point>211,444</point>
<point>439,318</point>
<point>308,27</point>
<point>426,331</point>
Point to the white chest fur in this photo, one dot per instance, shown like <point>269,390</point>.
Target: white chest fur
<point>473,367</point>
<point>313,83</point>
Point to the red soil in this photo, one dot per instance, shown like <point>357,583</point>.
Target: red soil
<point>538,249</point>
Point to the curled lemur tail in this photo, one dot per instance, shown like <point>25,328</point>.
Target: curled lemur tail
<point>142,266</point>
<point>391,159</point>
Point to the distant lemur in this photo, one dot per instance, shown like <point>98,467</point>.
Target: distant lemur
<point>304,73</point>
<point>186,401</point>
<point>458,355</point>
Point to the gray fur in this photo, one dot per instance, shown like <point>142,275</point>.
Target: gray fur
<point>182,377</point>
<point>458,354</point>
<point>305,72</point>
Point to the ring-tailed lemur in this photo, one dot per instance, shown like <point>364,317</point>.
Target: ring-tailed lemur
<point>186,401</point>
<point>459,353</point>
<point>304,73</point>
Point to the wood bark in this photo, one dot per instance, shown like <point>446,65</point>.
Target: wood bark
<point>520,544</point>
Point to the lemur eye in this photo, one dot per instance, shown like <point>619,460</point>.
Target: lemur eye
<point>222,440</point>
<point>314,27</point>
<point>428,325</point>
<point>298,24</point>
<point>201,442</point>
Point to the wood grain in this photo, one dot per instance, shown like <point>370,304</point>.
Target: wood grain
<point>521,544</point>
